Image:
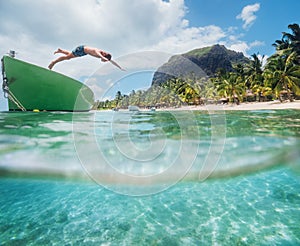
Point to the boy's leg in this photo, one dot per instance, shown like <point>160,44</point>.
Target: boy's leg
<point>59,50</point>
<point>61,58</point>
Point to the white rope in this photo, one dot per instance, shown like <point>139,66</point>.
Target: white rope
<point>13,98</point>
<point>7,93</point>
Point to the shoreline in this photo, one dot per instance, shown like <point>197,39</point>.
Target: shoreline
<point>272,105</point>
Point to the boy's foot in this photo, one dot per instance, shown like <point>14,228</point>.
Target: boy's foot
<point>50,65</point>
<point>58,51</point>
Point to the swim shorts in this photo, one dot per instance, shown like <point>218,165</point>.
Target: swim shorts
<point>79,51</point>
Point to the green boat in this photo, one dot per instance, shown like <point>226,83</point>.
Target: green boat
<point>32,88</point>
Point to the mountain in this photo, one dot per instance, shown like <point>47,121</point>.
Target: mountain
<point>203,62</point>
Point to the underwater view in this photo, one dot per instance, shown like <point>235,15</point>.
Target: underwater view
<point>150,178</point>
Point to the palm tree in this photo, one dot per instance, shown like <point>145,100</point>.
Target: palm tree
<point>118,98</point>
<point>210,89</point>
<point>281,44</point>
<point>239,69</point>
<point>289,43</point>
<point>262,90</point>
<point>283,74</point>
<point>294,38</point>
<point>231,87</point>
<point>254,78</point>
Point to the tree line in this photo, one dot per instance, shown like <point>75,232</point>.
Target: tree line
<point>278,78</point>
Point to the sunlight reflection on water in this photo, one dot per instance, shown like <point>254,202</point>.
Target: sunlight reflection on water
<point>146,144</point>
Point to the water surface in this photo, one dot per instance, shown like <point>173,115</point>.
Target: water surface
<point>150,178</point>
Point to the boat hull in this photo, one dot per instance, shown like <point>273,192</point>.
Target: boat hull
<point>37,88</point>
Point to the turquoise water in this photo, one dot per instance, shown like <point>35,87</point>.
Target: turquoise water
<point>150,178</point>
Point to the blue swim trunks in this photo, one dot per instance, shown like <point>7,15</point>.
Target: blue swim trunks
<point>79,51</point>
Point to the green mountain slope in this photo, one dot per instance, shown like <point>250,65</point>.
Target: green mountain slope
<point>203,62</point>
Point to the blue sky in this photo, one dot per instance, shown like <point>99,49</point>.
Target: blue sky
<point>128,29</point>
<point>272,17</point>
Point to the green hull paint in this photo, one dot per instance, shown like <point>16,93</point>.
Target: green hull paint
<point>39,88</point>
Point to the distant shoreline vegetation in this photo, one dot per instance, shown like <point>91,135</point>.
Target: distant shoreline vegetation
<point>278,79</point>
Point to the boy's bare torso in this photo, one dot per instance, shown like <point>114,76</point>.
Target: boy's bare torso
<point>94,51</point>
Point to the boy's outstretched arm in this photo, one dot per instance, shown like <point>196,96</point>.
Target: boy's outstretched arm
<point>117,65</point>
<point>104,59</point>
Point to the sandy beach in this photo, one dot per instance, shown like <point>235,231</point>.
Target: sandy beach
<point>243,106</point>
<point>264,105</point>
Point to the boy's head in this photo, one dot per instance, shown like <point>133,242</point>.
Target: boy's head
<point>108,56</point>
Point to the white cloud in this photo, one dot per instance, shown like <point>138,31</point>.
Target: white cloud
<point>107,78</point>
<point>240,46</point>
<point>244,47</point>
<point>190,38</point>
<point>36,28</point>
<point>248,15</point>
